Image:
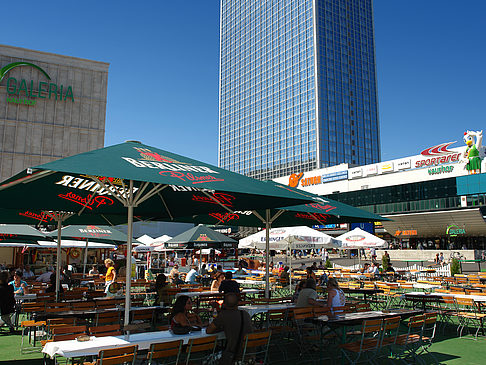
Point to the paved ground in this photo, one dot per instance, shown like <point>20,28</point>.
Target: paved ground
<point>467,267</point>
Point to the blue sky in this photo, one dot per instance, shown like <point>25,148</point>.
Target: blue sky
<point>163,78</point>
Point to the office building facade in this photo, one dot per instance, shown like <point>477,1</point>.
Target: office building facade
<point>297,86</point>
<point>51,106</point>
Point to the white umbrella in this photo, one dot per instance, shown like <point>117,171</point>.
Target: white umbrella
<point>357,238</point>
<point>290,238</point>
<point>142,248</point>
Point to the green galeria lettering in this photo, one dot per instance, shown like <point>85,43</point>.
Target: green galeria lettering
<point>45,90</point>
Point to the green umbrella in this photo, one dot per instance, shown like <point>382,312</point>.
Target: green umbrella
<point>201,237</point>
<point>94,233</point>
<point>326,212</point>
<point>143,180</point>
<point>19,233</point>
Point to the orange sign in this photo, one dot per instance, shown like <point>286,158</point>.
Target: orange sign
<point>294,179</point>
<point>410,232</point>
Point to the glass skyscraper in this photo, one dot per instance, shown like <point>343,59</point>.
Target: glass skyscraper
<point>297,86</point>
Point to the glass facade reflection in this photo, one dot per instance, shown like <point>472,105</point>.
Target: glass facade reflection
<point>297,86</point>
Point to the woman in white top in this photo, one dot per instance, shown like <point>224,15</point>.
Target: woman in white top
<point>335,296</point>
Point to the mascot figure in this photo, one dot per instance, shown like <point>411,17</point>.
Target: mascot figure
<point>473,151</point>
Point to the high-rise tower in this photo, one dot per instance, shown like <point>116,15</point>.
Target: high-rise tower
<point>297,86</point>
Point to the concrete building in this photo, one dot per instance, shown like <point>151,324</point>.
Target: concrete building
<point>51,106</point>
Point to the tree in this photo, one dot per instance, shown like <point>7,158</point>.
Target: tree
<point>455,267</point>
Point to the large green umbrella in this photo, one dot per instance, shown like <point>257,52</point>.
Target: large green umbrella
<point>143,180</point>
<point>201,237</point>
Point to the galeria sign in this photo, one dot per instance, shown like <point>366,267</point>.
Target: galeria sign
<point>21,91</point>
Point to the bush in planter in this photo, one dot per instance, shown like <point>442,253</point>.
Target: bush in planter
<point>455,267</point>
<point>385,263</point>
<point>328,264</point>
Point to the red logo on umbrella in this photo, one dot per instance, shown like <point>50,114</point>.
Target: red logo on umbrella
<point>203,237</point>
<point>147,154</point>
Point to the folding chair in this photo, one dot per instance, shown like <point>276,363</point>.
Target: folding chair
<point>428,334</point>
<point>164,353</point>
<point>408,344</point>
<point>255,346</point>
<point>391,327</point>
<point>367,348</point>
<point>116,356</point>
<point>282,332</point>
<point>200,348</point>
<point>107,318</point>
<point>469,314</point>
<point>108,330</point>
<point>308,334</point>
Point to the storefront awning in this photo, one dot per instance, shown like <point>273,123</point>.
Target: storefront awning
<point>467,222</point>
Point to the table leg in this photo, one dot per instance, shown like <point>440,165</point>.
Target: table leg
<point>343,341</point>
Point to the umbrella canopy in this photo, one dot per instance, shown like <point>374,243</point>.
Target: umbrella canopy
<point>201,237</point>
<point>17,233</point>
<point>163,185</point>
<point>357,238</point>
<point>327,211</point>
<point>98,233</point>
<point>139,181</point>
<point>290,238</point>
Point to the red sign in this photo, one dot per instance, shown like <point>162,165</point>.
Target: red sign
<point>440,149</point>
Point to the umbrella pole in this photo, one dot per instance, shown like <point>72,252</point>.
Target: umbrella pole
<point>267,253</point>
<point>290,270</point>
<point>128,270</point>
<point>85,258</point>
<point>58,254</point>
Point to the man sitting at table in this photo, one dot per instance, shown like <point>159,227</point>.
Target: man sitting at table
<point>308,296</point>
<point>228,285</point>
<point>28,274</point>
<point>46,277</point>
<point>235,323</point>
<point>192,275</point>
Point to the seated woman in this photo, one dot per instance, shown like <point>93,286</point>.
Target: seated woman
<point>182,314</point>
<point>335,296</point>
<point>20,286</point>
<point>218,279</point>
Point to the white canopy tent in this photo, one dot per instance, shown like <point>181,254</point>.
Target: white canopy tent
<point>145,239</point>
<point>290,238</point>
